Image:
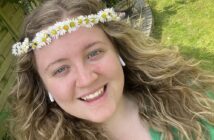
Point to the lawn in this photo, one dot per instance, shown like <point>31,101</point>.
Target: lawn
<point>188,24</point>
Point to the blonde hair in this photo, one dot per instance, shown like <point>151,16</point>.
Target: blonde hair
<point>169,90</point>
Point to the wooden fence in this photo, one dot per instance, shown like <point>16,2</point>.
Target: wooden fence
<point>11,18</point>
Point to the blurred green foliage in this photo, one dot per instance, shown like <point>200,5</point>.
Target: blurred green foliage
<point>110,3</point>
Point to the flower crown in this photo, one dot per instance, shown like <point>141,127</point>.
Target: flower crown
<point>45,37</point>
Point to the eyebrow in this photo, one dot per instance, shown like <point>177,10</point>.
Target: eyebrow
<point>92,44</point>
<point>64,59</point>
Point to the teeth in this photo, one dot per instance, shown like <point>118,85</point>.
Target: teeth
<point>93,95</point>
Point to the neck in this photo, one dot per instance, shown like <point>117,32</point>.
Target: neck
<point>126,124</point>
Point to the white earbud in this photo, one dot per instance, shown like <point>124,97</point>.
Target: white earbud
<point>122,62</point>
<point>50,97</point>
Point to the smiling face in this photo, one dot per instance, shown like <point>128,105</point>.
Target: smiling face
<point>83,73</point>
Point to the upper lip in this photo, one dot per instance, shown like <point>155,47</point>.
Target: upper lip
<point>91,92</point>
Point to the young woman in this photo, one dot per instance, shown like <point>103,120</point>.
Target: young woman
<point>84,74</point>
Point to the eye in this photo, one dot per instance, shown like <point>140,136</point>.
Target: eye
<point>93,54</point>
<point>61,70</point>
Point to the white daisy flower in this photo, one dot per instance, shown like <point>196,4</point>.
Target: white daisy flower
<point>66,25</point>
<point>53,32</point>
<point>109,14</point>
<point>73,23</point>
<point>87,23</point>
<point>58,26</point>
<point>93,19</point>
<point>80,20</point>
<point>42,39</point>
<point>15,48</point>
<point>19,50</point>
<point>112,15</point>
<point>25,45</point>
<point>102,15</point>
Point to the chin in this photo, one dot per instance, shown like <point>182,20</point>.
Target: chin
<point>102,117</point>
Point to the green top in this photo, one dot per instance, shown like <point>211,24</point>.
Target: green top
<point>157,135</point>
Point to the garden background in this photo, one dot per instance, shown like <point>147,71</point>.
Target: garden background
<point>188,24</point>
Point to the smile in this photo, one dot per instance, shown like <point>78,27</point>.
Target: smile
<point>93,96</point>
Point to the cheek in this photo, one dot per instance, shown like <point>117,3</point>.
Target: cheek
<point>61,89</point>
<point>110,67</point>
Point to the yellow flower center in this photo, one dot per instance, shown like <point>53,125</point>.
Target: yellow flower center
<point>93,20</point>
<point>53,32</point>
<point>104,15</point>
<point>65,27</point>
<point>86,20</point>
<point>72,25</point>
<point>44,39</point>
<point>80,21</point>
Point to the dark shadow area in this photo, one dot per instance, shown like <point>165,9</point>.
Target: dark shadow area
<point>4,131</point>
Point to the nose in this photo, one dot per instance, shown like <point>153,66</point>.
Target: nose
<point>85,76</point>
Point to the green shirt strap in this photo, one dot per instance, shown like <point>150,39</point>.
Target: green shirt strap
<point>155,135</point>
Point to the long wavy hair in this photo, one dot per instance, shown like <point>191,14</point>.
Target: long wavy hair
<point>169,90</point>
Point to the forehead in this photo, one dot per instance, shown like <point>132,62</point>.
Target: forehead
<point>71,44</point>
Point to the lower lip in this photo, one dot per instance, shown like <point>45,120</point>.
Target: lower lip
<point>99,98</point>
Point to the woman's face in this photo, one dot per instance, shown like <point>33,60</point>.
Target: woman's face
<point>83,73</point>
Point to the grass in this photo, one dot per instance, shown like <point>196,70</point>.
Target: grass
<point>188,24</point>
